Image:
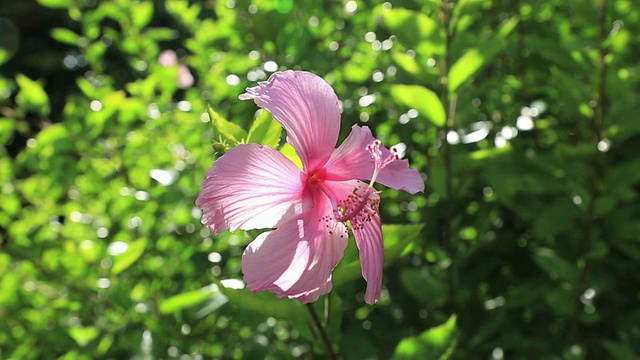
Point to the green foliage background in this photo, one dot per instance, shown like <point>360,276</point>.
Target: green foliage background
<point>522,116</point>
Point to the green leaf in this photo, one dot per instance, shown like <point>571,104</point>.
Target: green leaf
<point>359,68</point>
<point>264,303</point>
<point>407,63</point>
<point>469,6</point>
<point>398,241</point>
<point>290,153</point>
<point>414,30</point>
<point>141,14</point>
<point>422,99</point>
<point>32,95</point>
<point>187,299</point>
<point>225,129</point>
<point>435,343</point>
<point>87,88</point>
<point>619,351</point>
<point>83,335</point>
<point>161,33</point>
<point>6,130</point>
<point>424,286</point>
<point>546,222</point>
<point>265,130</point>
<point>474,59</point>
<point>284,6</point>
<point>465,67</point>
<point>105,344</point>
<point>65,36</point>
<point>561,301</point>
<point>99,120</point>
<point>555,266</point>
<point>599,250</point>
<point>133,253</point>
<point>55,136</point>
<point>55,4</point>
<point>9,41</point>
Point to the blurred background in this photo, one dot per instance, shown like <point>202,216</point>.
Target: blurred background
<point>522,116</point>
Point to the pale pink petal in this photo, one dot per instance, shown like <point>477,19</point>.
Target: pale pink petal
<point>296,260</point>
<point>368,235</point>
<point>168,58</point>
<point>185,79</point>
<point>251,187</point>
<point>307,107</point>
<point>366,227</point>
<point>351,161</point>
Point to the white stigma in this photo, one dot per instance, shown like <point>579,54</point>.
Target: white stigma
<point>397,152</point>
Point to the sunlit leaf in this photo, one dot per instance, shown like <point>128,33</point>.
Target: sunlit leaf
<point>125,260</point>
<point>87,88</point>
<point>265,130</point>
<point>290,153</point>
<point>32,95</point>
<point>474,59</point>
<point>55,4</point>
<point>98,120</point>
<point>83,335</point>
<point>422,99</point>
<point>186,300</point>
<point>105,344</point>
<point>284,6</point>
<point>142,13</point>
<point>55,138</point>
<point>227,130</point>
<point>415,30</point>
<point>435,343</point>
<point>65,36</point>
<point>6,130</point>
<point>407,63</point>
<point>358,68</point>
<point>264,303</point>
<point>9,286</point>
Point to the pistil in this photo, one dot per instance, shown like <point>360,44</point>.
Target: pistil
<point>363,201</point>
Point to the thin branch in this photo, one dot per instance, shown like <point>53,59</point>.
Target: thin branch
<point>597,171</point>
<point>448,167</point>
<point>323,333</point>
<point>327,310</point>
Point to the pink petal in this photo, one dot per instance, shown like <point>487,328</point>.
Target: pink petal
<point>185,79</point>
<point>296,260</point>
<point>307,107</point>
<point>168,58</point>
<point>367,230</point>
<point>351,160</point>
<point>368,237</point>
<point>251,187</point>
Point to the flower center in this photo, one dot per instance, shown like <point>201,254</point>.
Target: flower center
<point>359,206</point>
<point>316,178</point>
<point>363,201</point>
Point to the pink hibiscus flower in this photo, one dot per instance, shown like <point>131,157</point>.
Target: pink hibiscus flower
<point>254,187</point>
<point>169,58</point>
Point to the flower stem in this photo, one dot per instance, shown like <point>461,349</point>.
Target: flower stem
<point>451,100</point>
<point>323,333</point>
